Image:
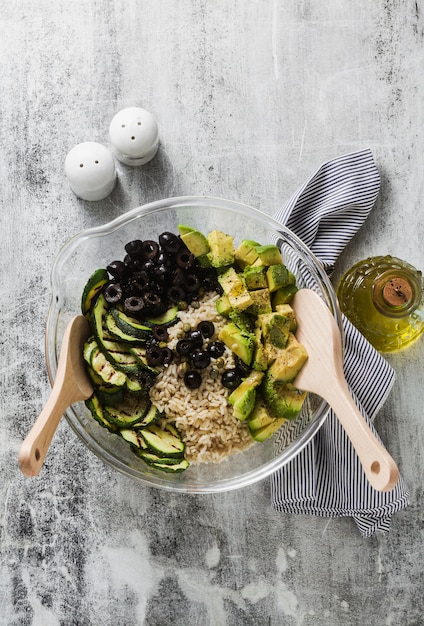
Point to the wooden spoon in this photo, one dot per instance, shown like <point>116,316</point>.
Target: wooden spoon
<point>72,384</point>
<point>323,375</point>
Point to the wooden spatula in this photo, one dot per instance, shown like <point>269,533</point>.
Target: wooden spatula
<point>72,384</point>
<point>323,375</point>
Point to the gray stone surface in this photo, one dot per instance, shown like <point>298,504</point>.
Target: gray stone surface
<point>250,97</point>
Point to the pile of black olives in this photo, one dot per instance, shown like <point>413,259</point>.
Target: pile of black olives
<point>156,275</point>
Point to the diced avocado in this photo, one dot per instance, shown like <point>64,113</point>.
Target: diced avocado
<point>242,320</point>
<point>235,289</point>
<point>275,328</point>
<point>261,302</point>
<point>223,306</point>
<point>260,416</point>
<point>284,295</point>
<point>255,277</point>
<point>277,276</point>
<point>260,361</point>
<point>267,431</point>
<point>268,255</point>
<point>289,362</point>
<point>286,311</point>
<point>241,344</point>
<point>244,396</point>
<point>246,254</point>
<point>282,400</point>
<point>195,241</point>
<point>221,251</point>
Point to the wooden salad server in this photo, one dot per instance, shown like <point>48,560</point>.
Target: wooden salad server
<point>71,384</point>
<point>323,375</point>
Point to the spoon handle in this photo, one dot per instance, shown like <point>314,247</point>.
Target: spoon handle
<point>36,444</point>
<point>378,465</point>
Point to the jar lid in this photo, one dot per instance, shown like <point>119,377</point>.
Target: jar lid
<point>397,291</point>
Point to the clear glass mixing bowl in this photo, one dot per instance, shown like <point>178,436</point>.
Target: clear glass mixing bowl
<point>97,247</point>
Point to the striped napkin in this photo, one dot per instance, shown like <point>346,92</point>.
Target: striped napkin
<point>326,477</point>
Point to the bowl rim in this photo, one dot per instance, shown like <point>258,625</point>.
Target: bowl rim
<point>52,352</point>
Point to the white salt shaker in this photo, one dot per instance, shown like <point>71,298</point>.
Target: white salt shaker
<point>134,136</point>
<point>90,170</point>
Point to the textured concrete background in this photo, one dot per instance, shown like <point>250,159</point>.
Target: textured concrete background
<point>250,97</point>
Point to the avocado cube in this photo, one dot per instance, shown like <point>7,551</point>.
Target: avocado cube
<point>284,295</point>
<point>243,398</point>
<point>240,343</point>
<point>221,247</point>
<point>235,289</point>
<point>261,302</point>
<point>277,276</point>
<point>246,254</point>
<point>275,328</point>
<point>195,241</point>
<point>289,362</point>
<point>268,255</point>
<point>260,416</point>
<point>286,311</point>
<point>267,431</point>
<point>223,305</point>
<point>255,277</point>
<point>260,360</point>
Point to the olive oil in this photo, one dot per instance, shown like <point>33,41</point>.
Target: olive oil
<point>383,297</point>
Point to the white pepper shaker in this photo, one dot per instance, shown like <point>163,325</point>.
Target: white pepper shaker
<point>90,170</point>
<point>134,136</point>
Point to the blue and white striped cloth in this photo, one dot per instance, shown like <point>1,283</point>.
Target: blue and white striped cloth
<point>326,478</point>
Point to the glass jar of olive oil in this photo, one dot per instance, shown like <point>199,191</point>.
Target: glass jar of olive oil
<point>383,297</point>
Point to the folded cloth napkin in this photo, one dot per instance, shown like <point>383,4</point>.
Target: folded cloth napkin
<point>326,477</point>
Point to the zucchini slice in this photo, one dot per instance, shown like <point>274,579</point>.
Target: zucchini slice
<point>162,441</point>
<point>119,334</point>
<point>172,468</point>
<point>166,319</point>
<point>94,405</point>
<point>129,411</point>
<point>133,437</point>
<point>105,369</point>
<point>151,458</point>
<point>120,356</point>
<point>152,416</point>
<point>92,288</point>
<point>130,327</point>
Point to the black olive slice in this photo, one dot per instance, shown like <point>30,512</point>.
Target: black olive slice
<point>231,378</point>
<point>200,359</point>
<point>140,280</point>
<point>134,248</point>
<point>216,349</point>
<point>206,328</point>
<point>176,293</point>
<point>152,299</point>
<point>195,337</point>
<point>184,347</point>
<point>170,242</point>
<point>146,378</point>
<point>116,269</point>
<point>168,356</point>
<point>192,379</point>
<point>134,304</point>
<point>184,258</point>
<point>160,333</point>
<point>113,293</point>
<point>191,283</point>
<point>154,355</point>
<point>150,249</point>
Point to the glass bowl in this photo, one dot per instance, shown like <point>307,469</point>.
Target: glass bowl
<point>97,247</point>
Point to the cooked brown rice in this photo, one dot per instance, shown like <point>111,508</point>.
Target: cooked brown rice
<point>203,416</point>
